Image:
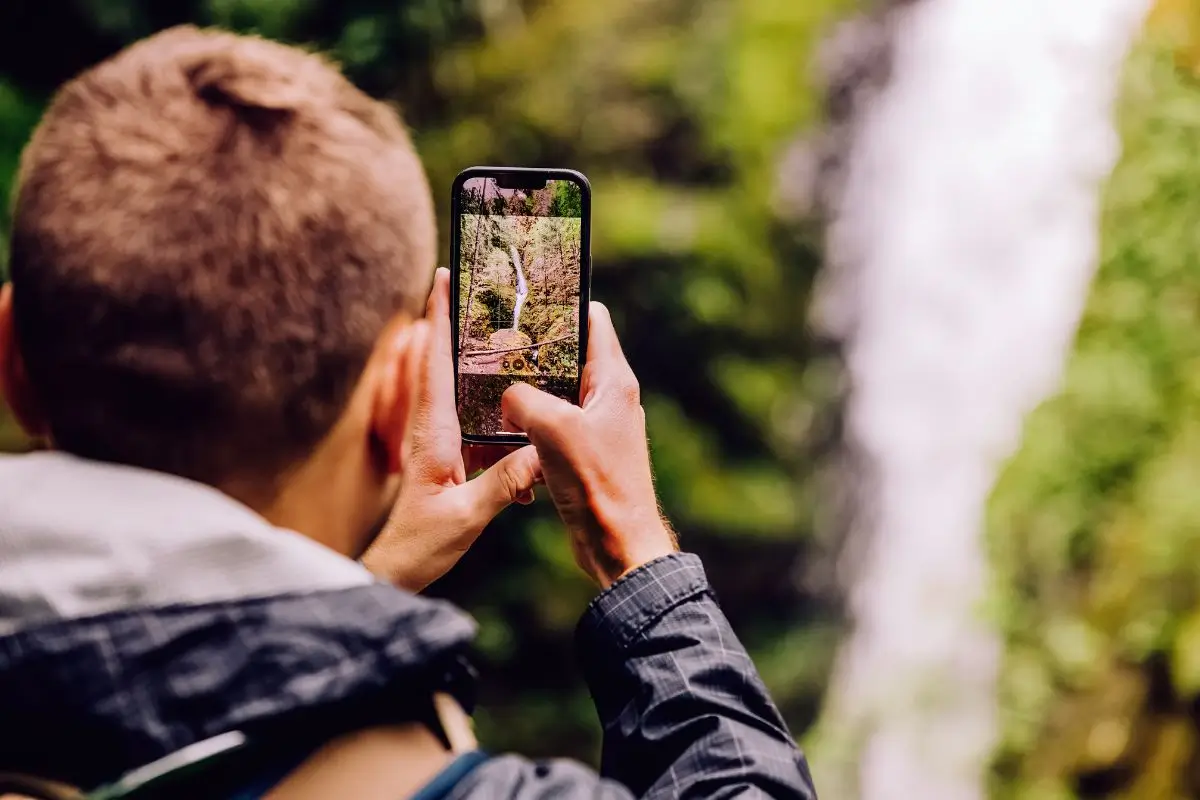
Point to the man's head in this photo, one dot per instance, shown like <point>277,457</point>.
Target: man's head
<point>214,236</point>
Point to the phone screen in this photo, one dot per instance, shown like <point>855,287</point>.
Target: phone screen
<point>521,277</point>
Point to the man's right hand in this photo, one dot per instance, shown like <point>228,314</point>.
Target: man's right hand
<point>596,461</point>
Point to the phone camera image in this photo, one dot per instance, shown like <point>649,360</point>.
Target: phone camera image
<point>520,274</point>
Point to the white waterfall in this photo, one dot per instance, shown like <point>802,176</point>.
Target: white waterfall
<point>962,242</point>
<point>522,287</point>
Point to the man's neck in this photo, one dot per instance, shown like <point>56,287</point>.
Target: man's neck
<point>330,498</point>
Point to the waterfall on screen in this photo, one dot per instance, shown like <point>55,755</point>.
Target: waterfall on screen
<point>522,287</point>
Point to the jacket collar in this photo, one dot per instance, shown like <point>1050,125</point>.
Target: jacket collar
<point>141,613</point>
<point>79,538</point>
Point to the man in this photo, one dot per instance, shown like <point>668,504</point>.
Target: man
<point>219,252</point>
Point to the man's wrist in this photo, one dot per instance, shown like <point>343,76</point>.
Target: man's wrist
<point>628,551</point>
<point>640,560</point>
<point>397,572</point>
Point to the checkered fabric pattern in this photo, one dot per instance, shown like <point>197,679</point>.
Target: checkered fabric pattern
<point>85,700</point>
<point>684,712</point>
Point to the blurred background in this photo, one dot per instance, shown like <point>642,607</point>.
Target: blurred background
<point>749,239</point>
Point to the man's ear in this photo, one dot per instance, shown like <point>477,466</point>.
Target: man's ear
<point>15,387</point>
<point>403,349</point>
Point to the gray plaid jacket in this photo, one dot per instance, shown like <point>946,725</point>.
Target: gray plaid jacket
<point>140,613</point>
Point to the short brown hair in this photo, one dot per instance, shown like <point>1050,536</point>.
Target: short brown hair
<point>210,233</point>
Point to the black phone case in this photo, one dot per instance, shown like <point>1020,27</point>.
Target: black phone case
<point>516,174</point>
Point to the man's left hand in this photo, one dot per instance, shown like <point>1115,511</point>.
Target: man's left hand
<point>440,513</point>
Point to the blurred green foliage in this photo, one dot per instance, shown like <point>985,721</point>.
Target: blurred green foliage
<point>18,115</point>
<point>1095,525</point>
<point>678,111</point>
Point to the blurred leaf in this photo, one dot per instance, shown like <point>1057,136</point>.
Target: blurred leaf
<point>17,119</point>
<point>1185,656</point>
<point>1095,524</point>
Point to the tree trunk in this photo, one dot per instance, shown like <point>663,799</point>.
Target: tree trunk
<point>462,334</point>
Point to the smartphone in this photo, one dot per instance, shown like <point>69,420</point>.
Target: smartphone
<point>520,256</point>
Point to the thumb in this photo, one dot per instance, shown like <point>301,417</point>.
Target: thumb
<point>509,480</point>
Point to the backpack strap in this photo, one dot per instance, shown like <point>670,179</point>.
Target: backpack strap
<point>199,762</point>
<point>456,729</point>
<point>247,768</point>
<point>455,773</point>
<point>222,758</point>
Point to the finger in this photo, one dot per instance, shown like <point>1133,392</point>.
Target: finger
<point>507,425</point>
<point>432,300</point>
<point>606,371</point>
<point>437,309</point>
<point>437,435</point>
<point>412,344</point>
<point>603,344</point>
<point>505,482</point>
<point>526,409</point>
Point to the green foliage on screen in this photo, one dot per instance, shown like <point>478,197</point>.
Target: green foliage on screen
<point>568,200</point>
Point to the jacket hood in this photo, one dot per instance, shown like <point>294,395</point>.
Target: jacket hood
<point>140,613</point>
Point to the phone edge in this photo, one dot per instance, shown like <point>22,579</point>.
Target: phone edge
<point>585,280</point>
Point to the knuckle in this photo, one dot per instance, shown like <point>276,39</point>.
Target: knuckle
<point>510,479</point>
<point>566,417</point>
<point>567,430</point>
<point>630,390</point>
<point>461,513</point>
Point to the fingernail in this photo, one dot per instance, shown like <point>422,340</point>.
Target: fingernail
<point>525,498</point>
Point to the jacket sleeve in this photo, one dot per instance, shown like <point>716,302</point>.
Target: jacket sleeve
<point>684,712</point>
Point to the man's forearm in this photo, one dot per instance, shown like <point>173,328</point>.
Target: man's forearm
<point>684,711</point>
